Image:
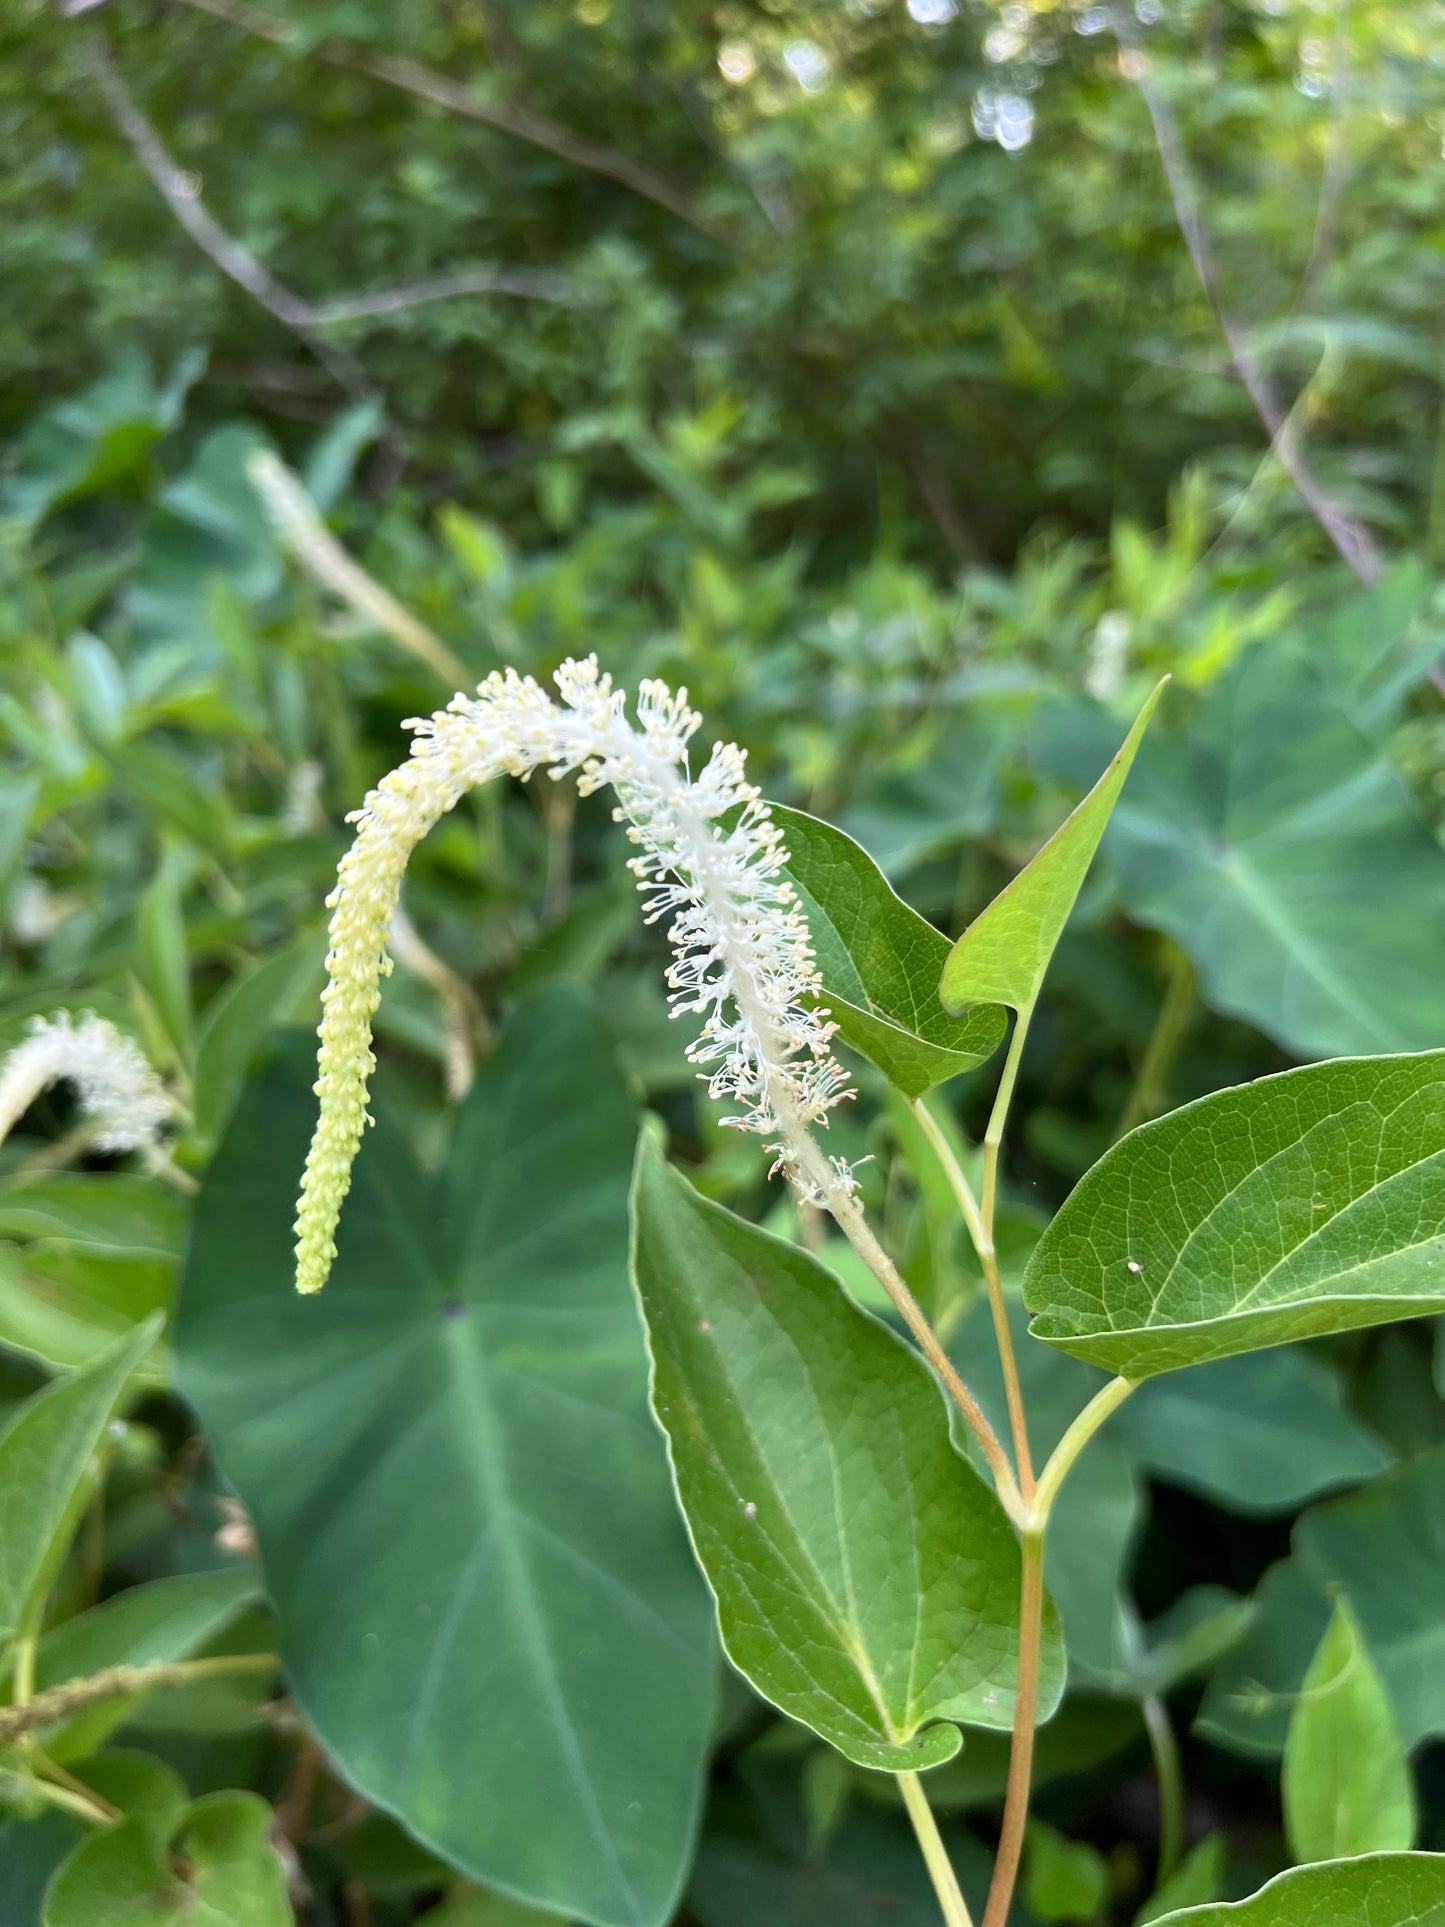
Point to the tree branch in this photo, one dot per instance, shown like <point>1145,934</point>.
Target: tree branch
<point>181,193</point>
<point>1351,540</point>
<point>509,116</point>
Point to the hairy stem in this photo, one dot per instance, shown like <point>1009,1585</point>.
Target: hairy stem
<point>981,1232</point>
<point>1170,1778</point>
<point>59,1703</point>
<point>1026,1712</point>
<point>935,1856</point>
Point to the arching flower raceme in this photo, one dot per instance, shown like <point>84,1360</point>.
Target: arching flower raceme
<point>743,959</point>
<point>121,1097</point>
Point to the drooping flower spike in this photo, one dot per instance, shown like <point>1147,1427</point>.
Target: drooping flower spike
<point>743,959</point>
<point>121,1098</point>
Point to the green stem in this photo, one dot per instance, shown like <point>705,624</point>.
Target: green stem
<point>935,1855</point>
<point>1176,1013</point>
<point>33,1712</point>
<point>1104,1402</point>
<point>1170,1778</point>
<point>980,1230</point>
<point>1026,1713</point>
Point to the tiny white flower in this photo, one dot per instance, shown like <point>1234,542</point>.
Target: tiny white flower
<point>743,958</point>
<point>120,1095</point>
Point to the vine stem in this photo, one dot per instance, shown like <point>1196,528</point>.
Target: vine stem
<point>1026,1713</point>
<point>935,1855</point>
<point>982,1235</point>
<point>1176,1012</point>
<point>1031,1633</point>
<point>1167,1772</point>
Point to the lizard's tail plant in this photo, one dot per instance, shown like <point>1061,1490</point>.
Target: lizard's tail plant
<point>743,958</point>
<point>866,1579</point>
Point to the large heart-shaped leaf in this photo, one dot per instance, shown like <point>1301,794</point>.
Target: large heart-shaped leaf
<point>1261,1432</point>
<point>1284,854</point>
<point>880,962</point>
<point>1305,1203</point>
<point>1384,1548</point>
<point>1377,1890</point>
<point>485,1600</point>
<point>1002,956</point>
<point>866,1577</point>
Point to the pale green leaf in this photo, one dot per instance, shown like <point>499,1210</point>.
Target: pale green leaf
<point>866,1577</point>
<point>461,1416</point>
<point>1196,1879</point>
<point>1384,1547</point>
<point>1377,1890</point>
<point>1305,1203</point>
<point>880,962</point>
<point>1002,956</point>
<point>1346,1783</point>
<point>46,1450</point>
<point>164,1620</point>
<point>216,1869</point>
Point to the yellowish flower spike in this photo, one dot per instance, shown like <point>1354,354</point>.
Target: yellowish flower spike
<point>743,958</point>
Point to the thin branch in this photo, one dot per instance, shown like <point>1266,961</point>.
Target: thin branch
<point>447,287</point>
<point>508,116</point>
<point>181,193</point>
<point>1350,538</point>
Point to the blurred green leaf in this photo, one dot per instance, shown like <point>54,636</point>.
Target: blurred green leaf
<point>46,1452</point>
<point>216,1866</point>
<point>1196,1879</point>
<point>1290,864</point>
<point>1260,1432</point>
<point>866,1577</point>
<point>164,1620</point>
<point>1062,1879</point>
<point>1384,1548</point>
<point>461,1416</point>
<point>1346,1781</point>
<point>1309,1202</point>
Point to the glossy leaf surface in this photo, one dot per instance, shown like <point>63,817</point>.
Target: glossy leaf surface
<point>1309,1202</point>
<point>461,1417</point>
<point>1378,1890</point>
<point>866,1578</point>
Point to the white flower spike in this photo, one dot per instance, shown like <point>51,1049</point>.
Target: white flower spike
<point>120,1095</point>
<point>743,956</point>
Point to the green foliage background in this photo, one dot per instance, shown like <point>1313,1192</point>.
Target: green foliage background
<point>918,460</point>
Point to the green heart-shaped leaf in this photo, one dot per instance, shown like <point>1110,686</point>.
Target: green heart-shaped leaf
<point>1305,1203</point>
<point>880,962</point>
<point>866,1577</point>
<point>1002,956</point>
<point>485,1601</point>
<point>1377,1890</point>
<point>218,1869</point>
